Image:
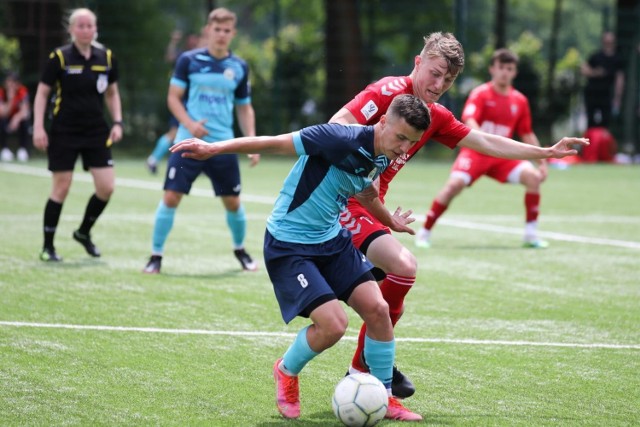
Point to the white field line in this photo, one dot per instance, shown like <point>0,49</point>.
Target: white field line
<point>157,186</point>
<point>259,334</point>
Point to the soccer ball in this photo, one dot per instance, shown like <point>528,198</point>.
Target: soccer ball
<point>360,400</point>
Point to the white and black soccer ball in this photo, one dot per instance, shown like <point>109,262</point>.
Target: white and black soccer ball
<point>360,400</point>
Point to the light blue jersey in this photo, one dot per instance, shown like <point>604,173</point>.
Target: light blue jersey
<point>212,88</point>
<point>335,160</point>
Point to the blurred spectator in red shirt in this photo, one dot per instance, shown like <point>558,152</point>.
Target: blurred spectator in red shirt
<point>15,112</point>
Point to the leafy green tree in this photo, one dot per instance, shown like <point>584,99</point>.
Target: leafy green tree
<point>9,53</point>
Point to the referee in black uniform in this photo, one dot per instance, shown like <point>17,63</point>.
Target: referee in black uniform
<point>83,77</point>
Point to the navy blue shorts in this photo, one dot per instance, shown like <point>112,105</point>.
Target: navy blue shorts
<point>223,172</point>
<point>306,276</point>
<point>173,122</point>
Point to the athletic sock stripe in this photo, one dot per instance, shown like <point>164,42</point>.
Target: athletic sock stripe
<point>401,280</point>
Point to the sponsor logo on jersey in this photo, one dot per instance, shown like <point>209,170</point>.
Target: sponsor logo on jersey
<point>369,109</point>
<point>211,98</point>
<point>205,69</point>
<point>399,162</point>
<point>494,128</point>
<point>75,69</point>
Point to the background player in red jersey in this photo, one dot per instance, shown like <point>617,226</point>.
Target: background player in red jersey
<point>495,107</point>
<point>435,69</point>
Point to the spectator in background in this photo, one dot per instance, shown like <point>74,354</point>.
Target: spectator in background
<point>605,82</point>
<point>15,112</point>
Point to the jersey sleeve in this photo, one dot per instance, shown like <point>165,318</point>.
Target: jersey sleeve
<point>52,68</point>
<point>368,105</point>
<point>113,72</point>
<point>473,107</point>
<point>331,141</point>
<point>524,124</point>
<point>447,130</point>
<point>243,91</point>
<point>180,75</point>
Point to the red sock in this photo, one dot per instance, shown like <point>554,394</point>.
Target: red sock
<point>437,209</point>
<point>394,288</point>
<point>532,206</point>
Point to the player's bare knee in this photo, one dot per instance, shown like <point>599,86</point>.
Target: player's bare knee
<point>377,315</point>
<point>105,192</point>
<point>334,329</point>
<point>405,264</point>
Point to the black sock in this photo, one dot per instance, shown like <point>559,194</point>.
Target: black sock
<point>91,214</point>
<point>52,212</point>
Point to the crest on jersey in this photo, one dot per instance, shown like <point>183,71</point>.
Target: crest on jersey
<point>229,74</point>
<point>102,83</point>
<point>369,109</point>
<point>514,109</point>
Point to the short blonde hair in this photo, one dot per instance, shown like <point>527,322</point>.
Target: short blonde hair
<point>447,47</point>
<point>221,14</point>
<point>74,14</point>
<point>81,11</point>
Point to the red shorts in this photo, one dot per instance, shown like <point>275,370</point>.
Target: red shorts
<point>471,165</point>
<point>363,226</point>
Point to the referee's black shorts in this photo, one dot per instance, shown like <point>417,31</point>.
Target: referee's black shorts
<point>65,147</point>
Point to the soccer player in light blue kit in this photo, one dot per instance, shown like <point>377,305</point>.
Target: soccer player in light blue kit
<point>206,86</point>
<point>310,258</point>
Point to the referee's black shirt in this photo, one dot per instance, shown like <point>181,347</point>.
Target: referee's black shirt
<point>78,87</point>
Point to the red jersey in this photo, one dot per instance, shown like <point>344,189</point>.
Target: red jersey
<point>21,95</point>
<point>496,113</point>
<point>373,102</point>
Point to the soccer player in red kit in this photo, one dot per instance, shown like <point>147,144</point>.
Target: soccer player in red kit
<point>435,69</point>
<point>495,107</point>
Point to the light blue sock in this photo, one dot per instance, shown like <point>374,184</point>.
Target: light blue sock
<point>380,356</point>
<point>162,227</point>
<point>162,148</point>
<point>299,353</point>
<point>237,222</point>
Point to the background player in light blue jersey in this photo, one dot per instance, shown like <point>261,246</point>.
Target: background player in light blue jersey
<point>310,258</point>
<point>206,87</point>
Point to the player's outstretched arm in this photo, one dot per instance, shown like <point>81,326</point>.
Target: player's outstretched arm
<point>566,147</point>
<point>498,146</point>
<point>198,149</point>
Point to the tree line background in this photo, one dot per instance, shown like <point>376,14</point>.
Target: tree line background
<point>308,58</point>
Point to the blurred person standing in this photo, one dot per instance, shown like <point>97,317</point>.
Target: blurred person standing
<point>172,52</point>
<point>84,74</point>
<point>495,107</point>
<point>208,84</point>
<point>15,113</point>
<point>604,71</point>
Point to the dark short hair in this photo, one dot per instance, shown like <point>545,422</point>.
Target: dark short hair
<point>412,110</point>
<point>504,56</point>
